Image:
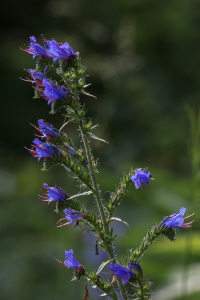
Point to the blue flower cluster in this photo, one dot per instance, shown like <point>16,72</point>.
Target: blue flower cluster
<point>51,49</point>
<point>47,89</point>
<point>54,50</point>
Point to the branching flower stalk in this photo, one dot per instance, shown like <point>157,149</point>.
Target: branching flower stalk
<point>54,147</point>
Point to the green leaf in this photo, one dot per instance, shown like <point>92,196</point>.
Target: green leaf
<point>80,194</point>
<point>96,137</point>
<point>119,220</point>
<point>102,265</point>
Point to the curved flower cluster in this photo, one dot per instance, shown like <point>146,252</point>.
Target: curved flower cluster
<point>46,89</point>
<point>141,176</point>
<point>51,49</point>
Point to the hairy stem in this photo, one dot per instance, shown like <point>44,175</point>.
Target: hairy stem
<point>99,202</point>
<point>151,235</point>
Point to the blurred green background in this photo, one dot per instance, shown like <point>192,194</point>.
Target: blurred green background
<point>143,60</point>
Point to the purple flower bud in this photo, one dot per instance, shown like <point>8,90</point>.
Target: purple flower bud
<point>141,176</point>
<point>176,220</point>
<point>73,152</point>
<point>72,216</point>
<point>58,50</point>
<point>55,193</point>
<point>121,272</point>
<point>40,150</point>
<point>35,49</point>
<point>52,92</point>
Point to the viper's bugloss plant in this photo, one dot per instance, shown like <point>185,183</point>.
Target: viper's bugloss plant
<point>62,91</point>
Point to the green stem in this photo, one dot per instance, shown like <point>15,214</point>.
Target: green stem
<point>151,235</point>
<point>98,198</point>
<point>141,290</point>
<point>93,179</point>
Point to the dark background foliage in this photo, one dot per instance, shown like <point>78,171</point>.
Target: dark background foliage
<point>143,60</point>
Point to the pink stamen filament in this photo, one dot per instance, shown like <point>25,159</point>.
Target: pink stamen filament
<point>62,224</point>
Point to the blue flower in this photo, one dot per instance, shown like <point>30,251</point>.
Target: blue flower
<point>176,220</point>
<point>47,130</point>
<point>141,176</point>
<point>72,216</point>
<point>121,272</point>
<point>43,150</point>
<point>71,262</point>
<point>37,77</point>
<point>58,50</point>
<point>55,193</point>
<point>35,49</point>
<point>52,92</point>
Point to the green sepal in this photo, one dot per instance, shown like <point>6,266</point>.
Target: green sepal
<point>169,233</point>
